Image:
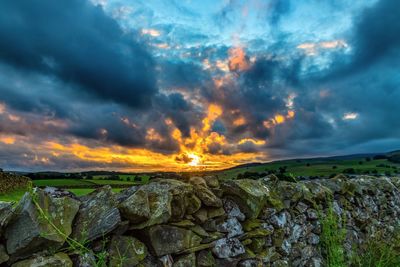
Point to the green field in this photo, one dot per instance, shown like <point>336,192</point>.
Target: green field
<point>17,194</point>
<point>318,167</point>
<point>142,178</point>
<point>78,182</point>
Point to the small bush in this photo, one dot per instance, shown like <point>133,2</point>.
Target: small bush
<point>380,251</point>
<point>332,238</point>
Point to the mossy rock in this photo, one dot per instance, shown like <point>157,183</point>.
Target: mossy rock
<point>250,195</point>
<point>205,259</point>
<point>40,222</point>
<point>126,251</point>
<point>168,239</point>
<point>257,244</point>
<point>185,261</point>
<point>57,260</point>
<point>98,215</point>
<point>251,224</point>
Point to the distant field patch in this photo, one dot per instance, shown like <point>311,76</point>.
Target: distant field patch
<point>61,182</point>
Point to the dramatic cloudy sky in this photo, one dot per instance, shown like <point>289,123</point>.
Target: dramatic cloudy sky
<point>180,85</point>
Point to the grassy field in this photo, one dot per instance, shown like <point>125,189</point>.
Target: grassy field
<point>16,195</point>
<point>143,178</point>
<point>78,182</point>
<point>319,167</point>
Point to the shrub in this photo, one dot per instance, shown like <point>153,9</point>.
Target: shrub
<point>380,251</point>
<point>349,171</point>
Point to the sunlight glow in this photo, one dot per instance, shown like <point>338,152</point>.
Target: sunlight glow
<point>350,116</point>
<point>194,160</point>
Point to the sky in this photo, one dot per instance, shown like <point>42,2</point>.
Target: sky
<point>168,85</point>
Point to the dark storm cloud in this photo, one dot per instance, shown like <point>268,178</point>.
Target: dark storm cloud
<point>374,38</point>
<point>76,42</point>
<point>278,8</point>
<point>365,82</point>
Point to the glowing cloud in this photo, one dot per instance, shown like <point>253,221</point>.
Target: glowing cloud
<point>151,32</point>
<point>350,116</point>
<point>238,60</point>
<point>312,49</point>
<point>8,140</point>
<point>251,140</point>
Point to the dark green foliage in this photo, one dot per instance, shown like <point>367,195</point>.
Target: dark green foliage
<point>380,251</point>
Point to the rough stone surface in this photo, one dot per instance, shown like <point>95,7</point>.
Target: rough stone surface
<point>126,251</point>
<point>3,254</point>
<point>263,222</point>
<point>97,216</point>
<point>33,227</point>
<point>228,248</point>
<point>57,260</point>
<point>167,239</point>
<point>204,193</point>
<point>185,261</point>
<point>250,195</point>
<point>6,211</point>
<point>205,259</point>
<point>136,208</point>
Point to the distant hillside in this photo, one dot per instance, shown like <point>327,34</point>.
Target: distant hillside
<point>309,168</point>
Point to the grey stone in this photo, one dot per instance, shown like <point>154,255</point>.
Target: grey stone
<point>3,254</point>
<point>228,248</point>
<point>126,251</point>
<point>232,227</point>
<point>38,222</point>
<point>204,193</point>
<point>167,239</point>
<point>57,260</point>
<point>233,210</point>
<point>6,212</point>
<point>280,220</point>
<point>185,261</point>
<point>250,195</point>
<point>97,216</point>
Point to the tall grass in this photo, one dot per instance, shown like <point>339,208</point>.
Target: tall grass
<point>332,238</point>
<point>380,251</point>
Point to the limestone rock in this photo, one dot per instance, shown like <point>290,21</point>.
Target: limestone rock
<point>126,193</point>
<point>212,181</point>
<point>168,200</point>
<point>204,194</point>
<point>6,212</point>
<point>32,228</point>
<point>84,260</point>
<point>233,210</point>
<point>98,215</point>
<point>167,239</point>
<point>231,226</point>
<point>57,192</point>
<point>250,195</point>
<point>136,208</point>
<point>186,261</point>
<point>205,259</point>
<point>126,251</point>
<point>228,248</point>
<point>57,260</point>
<point>3,254</point>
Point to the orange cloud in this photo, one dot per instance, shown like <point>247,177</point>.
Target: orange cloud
<point>251,140</point>
<point>239,121</point>
<point>237,59</point>
<point>8,140</point>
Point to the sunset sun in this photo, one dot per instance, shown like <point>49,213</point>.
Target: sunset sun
<point>195,160</point>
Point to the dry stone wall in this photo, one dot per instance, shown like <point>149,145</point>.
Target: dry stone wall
<point>199,222</point>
